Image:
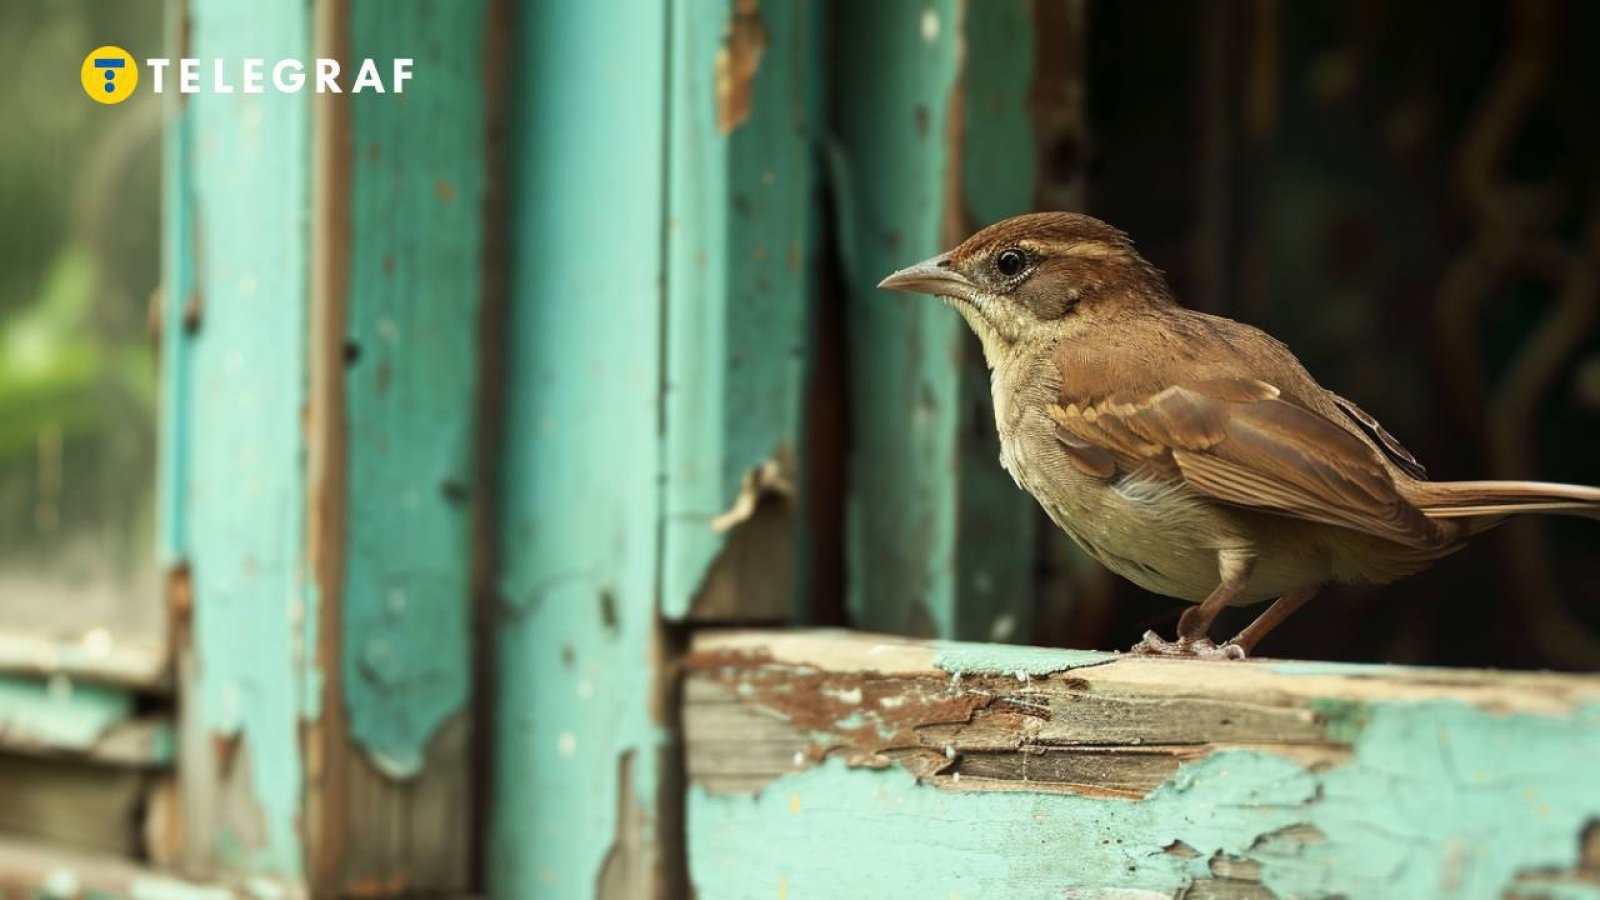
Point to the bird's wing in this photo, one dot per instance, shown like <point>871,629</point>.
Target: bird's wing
<point>1391,446</point>
<point>1236,440</point>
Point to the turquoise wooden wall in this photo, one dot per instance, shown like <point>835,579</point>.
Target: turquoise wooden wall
<point>933,139</point>
<point>740,190</point>
<point>237,296</point>
<point>320,428</point>
<point>474,399</point>
<point>581,716</point>
<point>329,265</point>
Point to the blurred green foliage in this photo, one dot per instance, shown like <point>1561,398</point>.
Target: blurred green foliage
<point>79,262</point>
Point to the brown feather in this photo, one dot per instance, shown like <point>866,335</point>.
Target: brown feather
<point>1235,441</point>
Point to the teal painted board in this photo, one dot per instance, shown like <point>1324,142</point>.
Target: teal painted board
<point>1117,777</point>
<point>824,833</point>
<point>416,249</point>
<point>933,139</point>
<point>245,380</point>
<point>578,728</point>
<point>59,714</point>
<point>739,199</point>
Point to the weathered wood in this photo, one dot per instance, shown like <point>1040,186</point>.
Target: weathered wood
<point>234,476</point>
<point>85,722</point>
<point>93,654</point>
<point>933,139</point>
<point>739,196</point>
<point>49,871</point>
<point>581,709</point>
<point>318,479</point>
<point>72,803</point>
<point>1024,772</point>
<point>398,237</point>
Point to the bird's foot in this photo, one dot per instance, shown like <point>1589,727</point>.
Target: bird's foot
<point>1155,645</point>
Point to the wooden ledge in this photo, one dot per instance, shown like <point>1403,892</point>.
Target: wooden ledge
<point>848,765</point>
<point>761,705</point>
<point>95,656</point>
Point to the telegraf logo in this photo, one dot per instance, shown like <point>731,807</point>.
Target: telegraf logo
<point>110,75</point>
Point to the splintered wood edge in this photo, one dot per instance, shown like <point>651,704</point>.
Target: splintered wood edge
<point>841,651</point>
<point>759,705</point>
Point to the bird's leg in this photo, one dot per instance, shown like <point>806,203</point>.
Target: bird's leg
<point>1274,615</point>
<point>1195,623</point>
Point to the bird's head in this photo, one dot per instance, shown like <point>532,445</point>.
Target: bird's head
<point>1028,279</point>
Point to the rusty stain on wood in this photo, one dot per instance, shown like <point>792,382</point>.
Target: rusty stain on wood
<point>757,709</point>
<point>737,62</point>
<point>1078,773</point>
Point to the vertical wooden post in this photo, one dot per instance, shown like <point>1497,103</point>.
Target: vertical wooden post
<point>319,474</point>
<point>582,706</point>
<point>930,109</point>
<point>236,378</point>
<point>399,230</point>
<point>739,196</point>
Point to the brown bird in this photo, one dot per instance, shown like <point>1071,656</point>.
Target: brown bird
<point>1191,454</point>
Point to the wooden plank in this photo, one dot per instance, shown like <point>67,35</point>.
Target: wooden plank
<point>580,749</point>
<point>934,139</point>
<point>93,654</point>
<point>739,199</point>
<point>398,233</point>
<point>81,721</point>
<point>323,519</point>
<point>48,870</point>
<point>236,472</point>
<point>1022,772</point>
<point>72,804</point>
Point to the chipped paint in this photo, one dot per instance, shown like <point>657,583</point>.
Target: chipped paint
<point>1129,774</point>
<point>993,659</point>
<point>738,59</point>
<point>1410,814</point>
<point>769,479</point>
<point>416,212</point>
<point>580,490</point>
<point>738,232</point>
<point>233,471</point>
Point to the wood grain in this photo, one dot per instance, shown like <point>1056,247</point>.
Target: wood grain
<point>845,765</point>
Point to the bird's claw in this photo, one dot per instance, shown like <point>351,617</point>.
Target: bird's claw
<point>1154,645</point>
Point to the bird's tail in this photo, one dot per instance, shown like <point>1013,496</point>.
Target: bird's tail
<point>1490,501</point>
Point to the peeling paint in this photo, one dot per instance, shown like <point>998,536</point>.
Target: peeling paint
<point>1129,774</point>
<point>1390,823</point>
<point>236,513</point>
<point>737,62</point>
<point>999,659</point>
<point>580,483</point>
<point>770,478</point>
<point>410,416</point>
<point>737,189</point>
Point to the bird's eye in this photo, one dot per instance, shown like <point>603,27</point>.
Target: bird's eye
<point>1011,262</point>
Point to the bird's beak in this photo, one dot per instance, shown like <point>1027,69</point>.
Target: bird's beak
<point>931,276</point>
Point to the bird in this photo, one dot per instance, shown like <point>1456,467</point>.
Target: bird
<point>1192,454</point>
